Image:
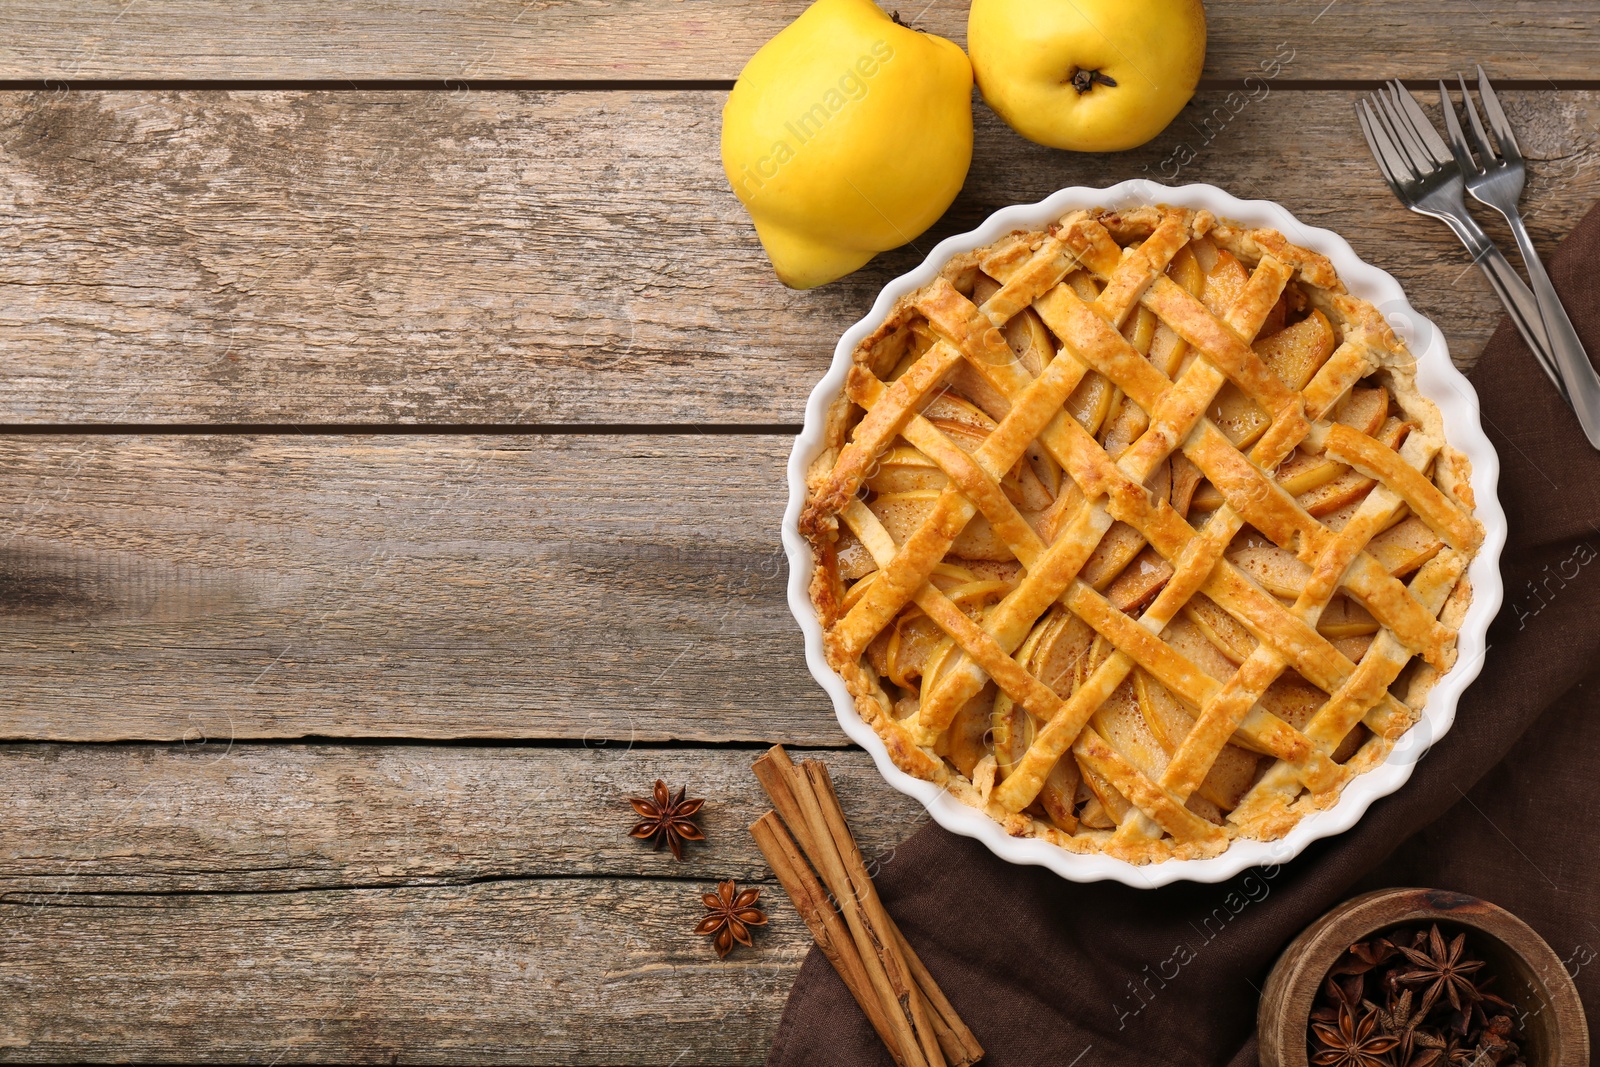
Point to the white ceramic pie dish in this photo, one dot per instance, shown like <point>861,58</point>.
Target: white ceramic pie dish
<point>1437,379</point>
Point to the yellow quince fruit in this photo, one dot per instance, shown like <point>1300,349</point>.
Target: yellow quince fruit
<point>1089,75</point>
<point>846,135</point>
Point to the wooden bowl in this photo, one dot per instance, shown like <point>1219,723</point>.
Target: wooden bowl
<point>1555,1032</point>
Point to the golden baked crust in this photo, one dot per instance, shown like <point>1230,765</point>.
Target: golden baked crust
<point>1129,531</point>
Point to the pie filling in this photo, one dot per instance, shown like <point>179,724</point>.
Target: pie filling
<point>1136,534</point>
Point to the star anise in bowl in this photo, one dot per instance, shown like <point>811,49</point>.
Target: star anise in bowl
<point>1442,969</point>
<point>668,818</point>
<point>1412,998</point>
<point>1352,1041</point>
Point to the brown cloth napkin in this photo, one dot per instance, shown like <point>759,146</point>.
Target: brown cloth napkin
<point>1505,807</point>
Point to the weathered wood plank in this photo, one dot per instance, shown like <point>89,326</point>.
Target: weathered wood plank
<point>551,257</point>
<point>219,818</point>
<point>628,588</point>
<point>639,39</point>
<point>564,971</point>
<point>360,903</point>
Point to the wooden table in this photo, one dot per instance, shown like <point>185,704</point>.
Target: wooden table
<point>395,411</point>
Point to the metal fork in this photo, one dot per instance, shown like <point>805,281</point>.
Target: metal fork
<point>1495,180</point>
<point>1430,183</point>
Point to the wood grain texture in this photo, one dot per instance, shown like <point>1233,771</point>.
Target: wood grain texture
<point>554,257</point>
<point>200,587</point>
<point>367,903</point>
<point>560,971</point>
<point>701,39</point>
<point>221,818</point>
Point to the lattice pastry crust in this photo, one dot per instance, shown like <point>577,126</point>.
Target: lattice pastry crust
<point>1136,534</point>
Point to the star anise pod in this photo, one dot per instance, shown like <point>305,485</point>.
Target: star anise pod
<point>1443,970</point>
<point>1431,1049</point>
<point>732,915</point>
<point>1363,956</point>
<point>1423,1057</point>
<point>1488,1004</point>
<point>1343,989</point>
<point>1399,1022</point>
<point>667,818</point>
<point>1352,1043</point>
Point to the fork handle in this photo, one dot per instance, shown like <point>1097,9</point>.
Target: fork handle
<point>1514,294</point>
<point>1583,385</point>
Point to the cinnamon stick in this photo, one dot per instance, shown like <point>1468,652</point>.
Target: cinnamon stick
<point>959,1043</point>
<point>827,929</point>
<point>883,967</point>
<point>775,771</point>
<point>875,919</point>
<point>925,1027</point>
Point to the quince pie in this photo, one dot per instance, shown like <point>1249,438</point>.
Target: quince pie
<point>1136,534</point>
